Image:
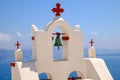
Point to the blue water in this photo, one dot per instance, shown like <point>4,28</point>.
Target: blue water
<point>5,71</point>
<point>112,61</point>
<point>113,64</point>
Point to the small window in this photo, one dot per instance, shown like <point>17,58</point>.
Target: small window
<point>44,76</point>
<point>75,75</point>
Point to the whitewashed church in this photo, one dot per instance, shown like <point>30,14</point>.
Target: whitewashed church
<point>71,41</point>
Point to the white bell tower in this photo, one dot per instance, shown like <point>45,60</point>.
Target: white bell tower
<point>91,51</point>
<point>72,58</point>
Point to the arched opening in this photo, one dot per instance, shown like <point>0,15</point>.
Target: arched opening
<point>60,46</point>
<point>44,76</point>
<point>57,44</point>
<point>65,27</point>
<point>75,75</point>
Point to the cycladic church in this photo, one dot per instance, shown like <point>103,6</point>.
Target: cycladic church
<point>71,41</point>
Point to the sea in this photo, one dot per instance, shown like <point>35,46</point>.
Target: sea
<point>111,58</point>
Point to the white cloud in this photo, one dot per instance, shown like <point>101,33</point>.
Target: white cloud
<point>19,34</point>
<point>4,37</point>
<point>94,33</point>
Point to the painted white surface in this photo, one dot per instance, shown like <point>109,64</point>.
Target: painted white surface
<point>73,60</point>
<point>91,52</point>
<point>18,55</point>
<point>97,69</point>
<point>71,54</point>
<point>24,71</point>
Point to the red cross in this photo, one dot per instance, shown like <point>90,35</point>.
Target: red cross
<point>33,38</point>
<point>58,10</point>
<point>91,42</point>
<point>17,44</point>
<point>12,64</point>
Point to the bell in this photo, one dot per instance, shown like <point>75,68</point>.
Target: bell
<point>58,42</point>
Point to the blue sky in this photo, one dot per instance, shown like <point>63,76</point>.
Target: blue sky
<point>99,19</point>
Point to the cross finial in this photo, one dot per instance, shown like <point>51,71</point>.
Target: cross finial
<point>58,10</point>
<point>17,44</point>
<point>91,42</point>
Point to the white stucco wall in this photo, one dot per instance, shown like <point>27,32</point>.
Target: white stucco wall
<point>24,71</point>
<point>44,52</point>
<point>97,69</point>
<point>43,61</point>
